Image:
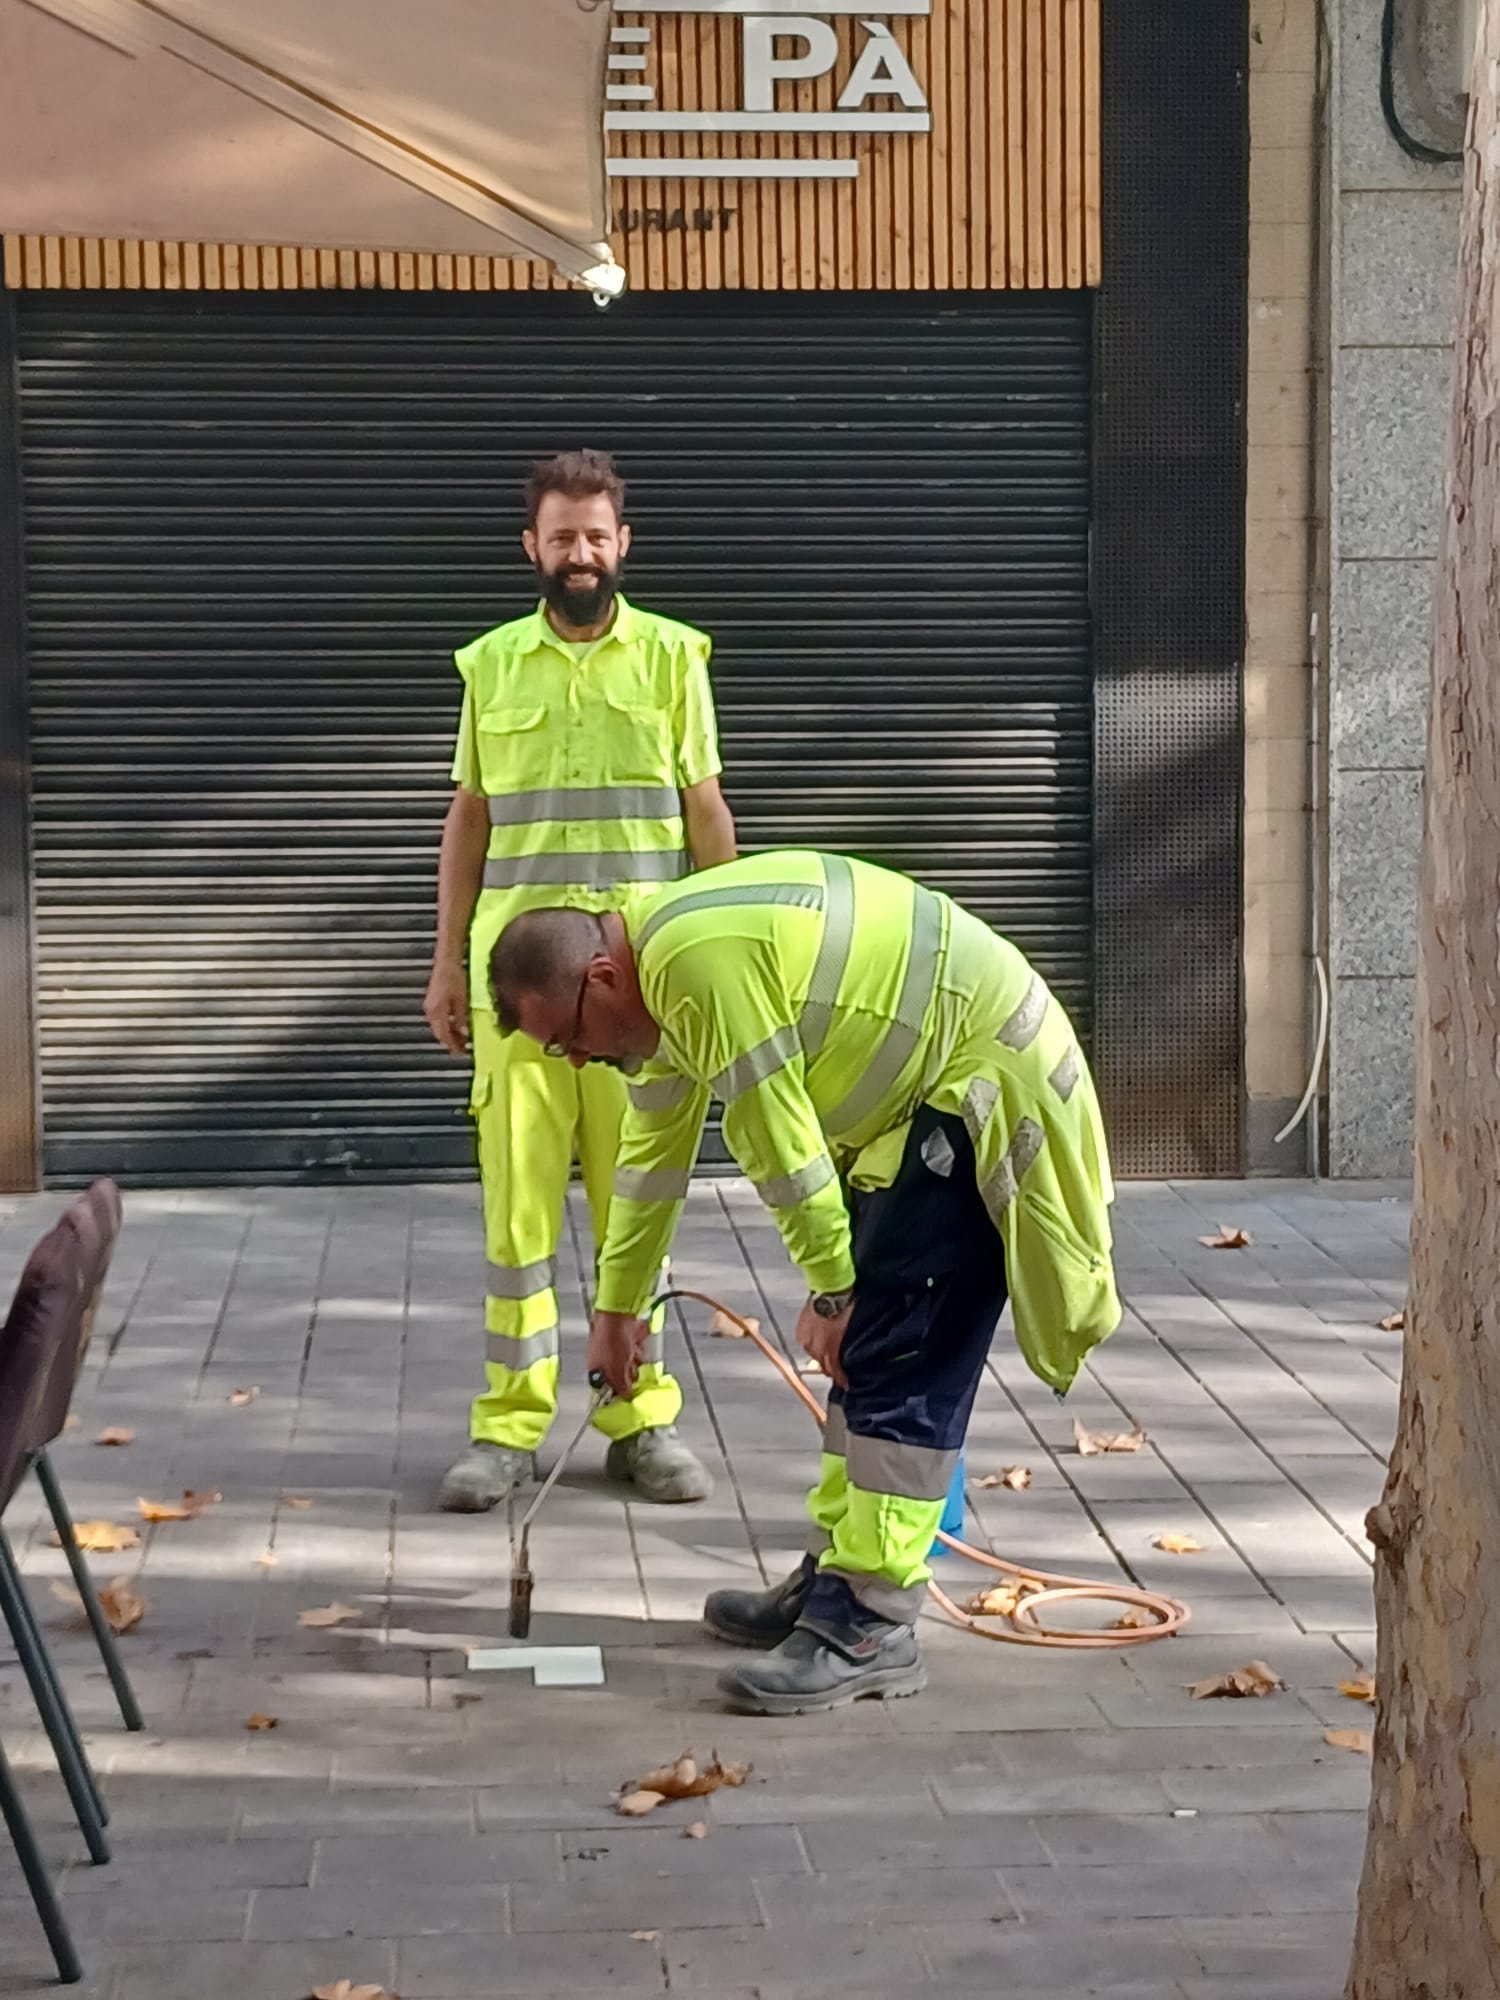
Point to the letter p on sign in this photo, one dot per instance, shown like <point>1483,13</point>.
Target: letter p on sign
<point>764,68</point>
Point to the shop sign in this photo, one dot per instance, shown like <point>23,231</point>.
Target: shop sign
<point>878,90</point>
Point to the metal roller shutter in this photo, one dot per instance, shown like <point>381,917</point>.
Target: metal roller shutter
<point>256,527</point>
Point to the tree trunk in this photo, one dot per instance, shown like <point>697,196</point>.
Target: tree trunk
<point>1429,1902</point>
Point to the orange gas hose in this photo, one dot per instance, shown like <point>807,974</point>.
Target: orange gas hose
<point>1022,1626</point>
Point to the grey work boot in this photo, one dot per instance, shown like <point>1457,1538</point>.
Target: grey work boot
<point>483,1477</point>
<point>760,1618</point>
<point>659,1466</point>
<point>828,1662</point>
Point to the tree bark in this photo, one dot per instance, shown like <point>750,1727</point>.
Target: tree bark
<point>1429,1901</point>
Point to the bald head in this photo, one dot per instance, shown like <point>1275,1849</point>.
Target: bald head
<point>542,952</point>
<point>567,979</point>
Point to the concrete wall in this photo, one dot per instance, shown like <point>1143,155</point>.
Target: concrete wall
<point>1282,533</point>
<point>1393,236</point>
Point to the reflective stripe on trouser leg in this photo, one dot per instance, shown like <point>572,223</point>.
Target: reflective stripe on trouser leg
<point>829,1499</point>
<point>893,1504</point>
<point>658,1397</point>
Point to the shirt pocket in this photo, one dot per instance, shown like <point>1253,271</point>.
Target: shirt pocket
<point>513,749</point>
<point>637,745</point>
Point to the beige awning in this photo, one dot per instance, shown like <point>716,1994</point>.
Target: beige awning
<point>425,125</point>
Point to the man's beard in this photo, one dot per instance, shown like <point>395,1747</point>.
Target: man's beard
<point>578,602</point>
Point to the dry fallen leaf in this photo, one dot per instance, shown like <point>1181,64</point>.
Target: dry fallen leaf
<point>345,1989</point>
<point>1016,1477</point>
<point>121,1605</point>
<point>262,1721</point>
<point>810,1365</point>
<point>1349,1739</point>
<point>697,1831</point>
<point>115,1436</point>
<point>646,1937</point>
<point>1360,1688</point>
<point>684,1779</point>
<point>1178,1545</point>
<point>1134,1618</point>
<point>239,1397</point>
<point>327,1614</point>
<point>1255,1679</point>
<point>268,1559</point>
<point>1228,1238</point>
<point>188,1508</point>
<point>722,1327</point>
<point>1393,1323</point>
<point>102,1537</point>
<point>634,1805</point>
<point>1001,1600</point>
<point>1091,1443</point>
<point>297,1500</point>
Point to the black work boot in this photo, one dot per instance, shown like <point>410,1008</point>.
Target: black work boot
<point>760,1618</point>
<point>850,1654</point>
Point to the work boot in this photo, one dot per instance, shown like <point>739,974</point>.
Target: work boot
<point>760,1618</point>
<point>659,1466</point>
<point>828,1661</point>
<point>483,1477</point>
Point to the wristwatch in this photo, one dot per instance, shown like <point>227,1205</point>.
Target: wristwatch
<point>832,1305</point>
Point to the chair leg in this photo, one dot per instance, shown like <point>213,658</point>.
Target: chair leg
<point>52,1706</point>
<point>109,1649</point>
<point>38,1880</point>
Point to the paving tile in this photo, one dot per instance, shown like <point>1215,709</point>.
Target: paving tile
<point>930,1895</point>
<point>400,1909</point>
<point>259,1972</point>
<point>1068,1956</point>
<point>844,1954</point>
<point>642,1903</point>
<point>543,1967</point>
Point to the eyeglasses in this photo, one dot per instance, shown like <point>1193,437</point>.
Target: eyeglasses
<point>564,1046</point>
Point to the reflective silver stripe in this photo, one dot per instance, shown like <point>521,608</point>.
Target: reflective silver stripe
<point>520,1281</point>
<point>1066,1074</point>
<point>999,1191</point>
<point>583,871</point>
<point>1025,1024</point>
<point>756,1064</point>
<point>980,1100</point>
<point>905,1031</point>
<point>661,1093</point>
<point>836,1431</point>
<point>938,1153</point>
<point>796,895</point>
<point>833,954</point>
<point>907,1471</point>
<point>504,1350</point>
<point>652,1183</point>
<point>589,802</point>
<point>789,1189</point>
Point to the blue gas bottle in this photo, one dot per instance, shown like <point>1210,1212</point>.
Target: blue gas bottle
<point>952,1522</point>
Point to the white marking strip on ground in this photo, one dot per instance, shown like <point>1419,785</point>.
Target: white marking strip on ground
<point>549,1666</point>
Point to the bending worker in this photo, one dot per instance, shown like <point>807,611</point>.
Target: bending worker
<point>586,771</point>
<point>857,1026</point>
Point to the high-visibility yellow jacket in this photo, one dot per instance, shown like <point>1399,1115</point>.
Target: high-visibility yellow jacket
<point>583,750</point>
<point>823,1000</point>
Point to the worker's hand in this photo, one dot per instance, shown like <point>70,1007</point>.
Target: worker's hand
<point>616,1344</point>
<point>823,1339</point>
<point>446,1006</point>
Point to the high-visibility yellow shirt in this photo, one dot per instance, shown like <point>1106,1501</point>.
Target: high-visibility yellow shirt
<point>583,752</point>
<point>823,1000</point>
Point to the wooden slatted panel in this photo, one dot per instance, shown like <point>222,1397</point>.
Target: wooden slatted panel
<point>1003,193</point>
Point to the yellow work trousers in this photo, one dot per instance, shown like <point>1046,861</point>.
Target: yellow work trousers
<point>531,1113</point>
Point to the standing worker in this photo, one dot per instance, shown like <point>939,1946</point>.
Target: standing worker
<point>587,769</point>
<point>856,1025</point>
